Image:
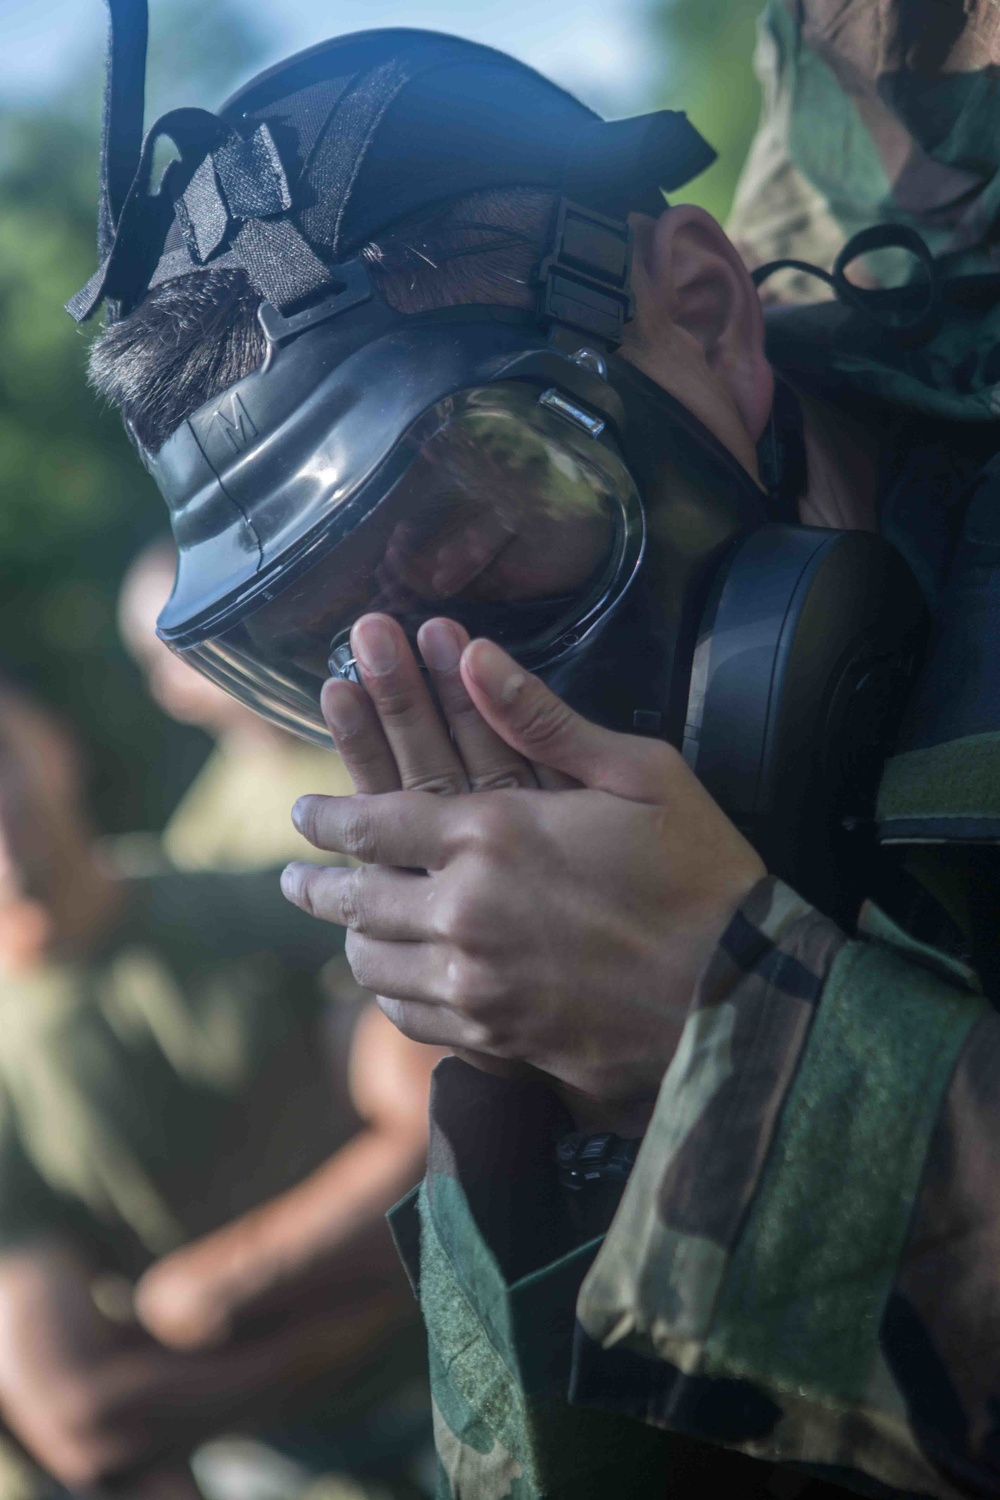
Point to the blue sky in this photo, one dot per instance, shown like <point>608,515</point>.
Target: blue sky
<point>594,47</point>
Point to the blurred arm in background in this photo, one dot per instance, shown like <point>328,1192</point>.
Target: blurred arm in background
<point>96,1401</point>
<point>175,1093</point>
<point>327,1232</point>
<point>233,1327</point>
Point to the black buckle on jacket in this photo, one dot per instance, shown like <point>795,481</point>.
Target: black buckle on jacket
<point>586,1161</point>
<point>586,275</point>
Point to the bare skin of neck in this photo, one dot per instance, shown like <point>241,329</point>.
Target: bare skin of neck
<point>841,456</point>
<point>842,465</point>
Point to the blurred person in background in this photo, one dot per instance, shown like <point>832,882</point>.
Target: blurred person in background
<point>196,1154</point>
<point>235,814</point>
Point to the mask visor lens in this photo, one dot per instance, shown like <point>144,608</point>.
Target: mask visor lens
<point>492,510</point>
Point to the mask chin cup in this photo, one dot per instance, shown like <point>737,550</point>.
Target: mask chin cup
<point>804,663</point>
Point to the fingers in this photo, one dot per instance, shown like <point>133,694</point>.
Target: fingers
<point>403,971</point>
<point>414,979</point>
<point>437,1026</point>
<point>353,724</point>
<point>412,982</point>
<point>392,735</point>
<point>541,727</point>
<point>489,761</point>
<point>396,828</point>
<point>411,724</point>
<point>416,983</point>
<point>395,905</point>
<point>184,1304</point>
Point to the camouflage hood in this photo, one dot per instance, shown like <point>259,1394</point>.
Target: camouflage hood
<point>879,113</point>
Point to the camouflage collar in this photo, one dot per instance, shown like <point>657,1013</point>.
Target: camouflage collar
<point>943,785</point>
<point>947,793</point>
<point>954,374</point>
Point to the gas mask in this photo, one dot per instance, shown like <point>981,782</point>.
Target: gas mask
<point>506,468</point>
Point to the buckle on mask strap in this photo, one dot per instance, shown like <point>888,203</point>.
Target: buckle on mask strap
<point>351,285</point>
<point>586,275</point>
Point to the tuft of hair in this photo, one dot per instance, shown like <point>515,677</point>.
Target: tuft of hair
<point>193,337</point>
<point>187,341</point>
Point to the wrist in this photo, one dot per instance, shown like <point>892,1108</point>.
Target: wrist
<point>629,1116</point>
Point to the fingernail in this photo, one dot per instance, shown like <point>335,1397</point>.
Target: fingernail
<point>374,643</point>
<point>299,815</point>
<point>345,714</point>
<point>440,646</point>
<point>290,882</point>
<point>492,670</point>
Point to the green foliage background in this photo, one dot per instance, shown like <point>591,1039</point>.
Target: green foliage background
<point>74,504</point>
<point>707,48</point>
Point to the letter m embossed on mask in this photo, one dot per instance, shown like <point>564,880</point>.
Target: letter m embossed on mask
<point>231,426</point>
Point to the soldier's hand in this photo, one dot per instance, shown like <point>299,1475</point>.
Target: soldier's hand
<point>390,733</point>
<point>565,927</point>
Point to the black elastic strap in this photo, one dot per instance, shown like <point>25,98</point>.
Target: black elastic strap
<point>781,455</point>
<point>124,103</point>
<point>280,264</point>
<point>356,116</point>
<point>125,271</point>
<point>877,304</point>
<point>276,257</point>
<point>243,183</point>
<point>203,214</point>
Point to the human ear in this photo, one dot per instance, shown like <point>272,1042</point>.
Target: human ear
<point>696,305</point>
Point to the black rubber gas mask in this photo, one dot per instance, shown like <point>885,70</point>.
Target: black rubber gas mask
<point>508,469</point>
<point>559,502</point>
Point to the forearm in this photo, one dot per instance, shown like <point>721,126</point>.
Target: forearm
<point>802,1207</point>
<point>78,1391</point>
<point>803,1265</point>
<point>325,1240</point>
<point>135,1415</point>
<point>92,1400</point>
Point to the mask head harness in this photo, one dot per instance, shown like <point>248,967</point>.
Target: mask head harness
<point>496,464</point>
<point>316,156</point>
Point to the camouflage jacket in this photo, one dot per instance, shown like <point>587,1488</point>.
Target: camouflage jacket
<point>874,111</point>
<point>801,1285</point>
<point>804,1266</point>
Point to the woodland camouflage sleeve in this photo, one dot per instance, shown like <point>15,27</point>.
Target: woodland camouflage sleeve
<point>810,1240</point>
<point>804,1268</point>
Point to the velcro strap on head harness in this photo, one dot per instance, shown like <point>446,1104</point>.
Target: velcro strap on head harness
<point>236,198</point>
